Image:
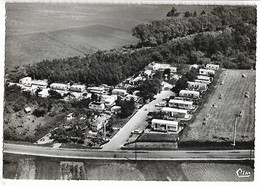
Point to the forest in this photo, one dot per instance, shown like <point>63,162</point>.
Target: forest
<point>226,36</point>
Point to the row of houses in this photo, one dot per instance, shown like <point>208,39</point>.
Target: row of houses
<point>178,108</point>
<point>28,82</point>
<point>204,78</point>
<point>43,84</point>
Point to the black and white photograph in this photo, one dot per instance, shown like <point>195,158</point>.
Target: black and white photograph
<point>124,91</point>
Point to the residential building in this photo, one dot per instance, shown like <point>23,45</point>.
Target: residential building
<point>137,79</point>
<point>26,81</point>
<point>206,72</point>
<point>78,88</point>
<point>130,96</point>
<point>119,92</point>
<point>40,83</point>
<point>172,69</point>
<point>204,78</point>
<point>194,66</point>
<point>100,122</point>
<point>97,90</point>
<point>197,86</point>
<point>116,109</point>
<point>44,93</point>
<point>97,106</point>
<point>27,110</point>
<point>104,97</point>
<point>189,94</point>
<point>70,116</point>
<point>212,67</point>
<point>110,101</point>
<point>59,86</point>
<point>175,113</point>
<point>148,73</point>
<point>181,104</point>
<point>162,67</point>
<point>165,125</point>
<point>202,81</point>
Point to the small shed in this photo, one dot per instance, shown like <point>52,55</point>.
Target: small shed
<point>69,116</point>
<point>27,110</point>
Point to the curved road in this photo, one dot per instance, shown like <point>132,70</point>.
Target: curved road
<point>129,155</point>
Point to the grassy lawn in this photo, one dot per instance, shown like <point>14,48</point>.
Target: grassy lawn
<point>158,137</point>
<point>221,119</point>
<point>215,171</point>
<point>152,146</point>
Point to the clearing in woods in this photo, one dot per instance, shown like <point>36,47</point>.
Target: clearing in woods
<point>221,118</point>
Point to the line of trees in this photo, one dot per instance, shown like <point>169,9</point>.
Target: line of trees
<point>227,36</point>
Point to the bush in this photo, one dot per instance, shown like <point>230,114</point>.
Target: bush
<point>244,66</point>
<point>230,65</point>
<point>39,112</point>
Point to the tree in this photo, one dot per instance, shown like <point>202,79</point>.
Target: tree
<point>203,12</point>
<point>187,14</point>
<point>94,97</point>
<point>194,14</point>
<point>127,107</point>
<point>54,94</point>
<point>156,56</point>
<point>149,88</point>
<point>39,112</point>
<point>167,72</point>
<point>172,12</point>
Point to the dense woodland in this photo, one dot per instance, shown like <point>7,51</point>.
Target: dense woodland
<point>226,36</point>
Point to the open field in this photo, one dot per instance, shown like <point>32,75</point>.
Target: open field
<point>53,168</point>
<point>215,172</point>
<point>221,120</point>
<point>35,32</point>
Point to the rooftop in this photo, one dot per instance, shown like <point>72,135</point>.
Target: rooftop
<point>161,121</point>
<point>96,103</point>
<point>59,84</point>
<point>167,109</point>
<point>77,86</point>
<point>100,119</point>
<point>208,70</point>
<point>189,91</point>
<point>181,101</point>
<point>203,77</point>
<point>196,82</point>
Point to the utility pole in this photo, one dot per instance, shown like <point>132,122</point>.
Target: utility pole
<point>135,152</point>
<point>235,131</point>
<point>104,127</point>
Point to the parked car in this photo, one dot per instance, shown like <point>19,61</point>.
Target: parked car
<point>161,104</point>
<point>136,132</point>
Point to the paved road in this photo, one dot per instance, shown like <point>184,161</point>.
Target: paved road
<point>129,155</point>
<point>137,121</point>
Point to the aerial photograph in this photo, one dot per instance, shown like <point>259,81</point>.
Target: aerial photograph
<point>129,92</point>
